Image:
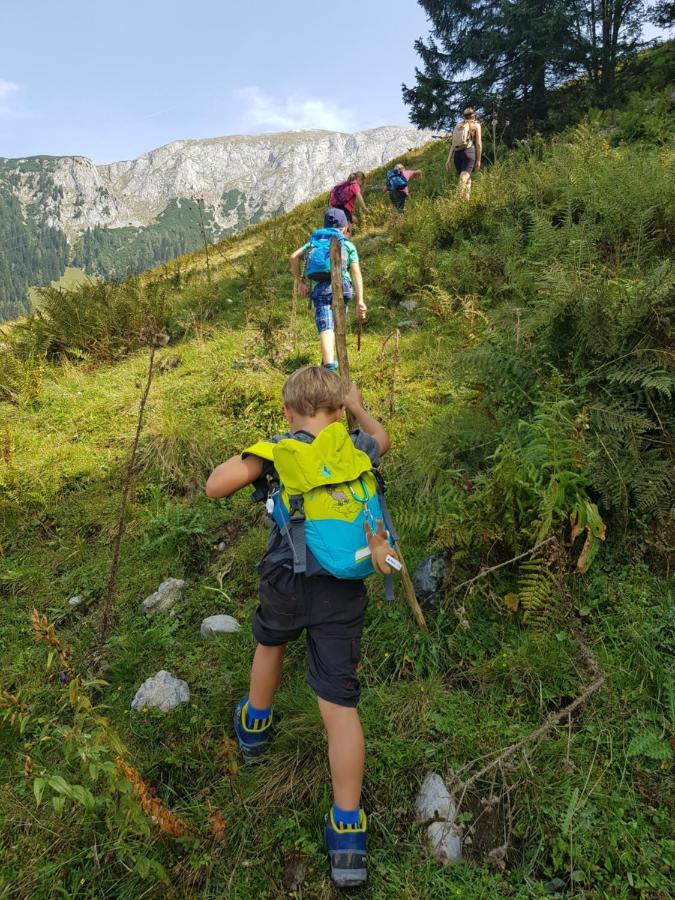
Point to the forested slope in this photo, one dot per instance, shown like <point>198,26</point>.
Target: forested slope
<point>529,404</point>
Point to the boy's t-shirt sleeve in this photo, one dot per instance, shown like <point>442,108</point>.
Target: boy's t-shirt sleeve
<point>366,442</point>
<point>352,253</point>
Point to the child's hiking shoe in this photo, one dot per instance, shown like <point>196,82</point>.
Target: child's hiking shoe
<point>252,741</point>
<point>346,846</point>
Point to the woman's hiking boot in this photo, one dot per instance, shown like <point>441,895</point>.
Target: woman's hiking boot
<point>253,742</point>
<point>346,846</point>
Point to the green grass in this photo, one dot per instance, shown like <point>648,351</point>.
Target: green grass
<point>71,278</point>
<point>571,236</point>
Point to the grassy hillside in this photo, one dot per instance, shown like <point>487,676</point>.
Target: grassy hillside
<point>532,400</point>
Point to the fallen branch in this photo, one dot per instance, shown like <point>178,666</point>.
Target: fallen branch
<point>539,732</point>
<point>484,572</point>
<point>111,583</point>
<point>498,763</point>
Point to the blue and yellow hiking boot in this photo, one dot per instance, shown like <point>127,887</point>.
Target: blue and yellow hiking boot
<point>346,846</point>
<point>253,736</point>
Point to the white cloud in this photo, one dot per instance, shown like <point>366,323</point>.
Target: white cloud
<point>9,91</point>
<point>262,112</point>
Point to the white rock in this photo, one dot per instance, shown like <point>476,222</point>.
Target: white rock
<point>162,692</point>
<point>75,601</point>
<point>167,595</point>
<point>218,625</point>
<point>222,547</point>
<point>409,305</point>
<point>444,842</point>
<point>433,800</point>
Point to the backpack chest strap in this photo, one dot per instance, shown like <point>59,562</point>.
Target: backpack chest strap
<point>296,534</point>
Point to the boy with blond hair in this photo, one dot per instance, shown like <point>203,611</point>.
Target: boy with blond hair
<point>331,610</point>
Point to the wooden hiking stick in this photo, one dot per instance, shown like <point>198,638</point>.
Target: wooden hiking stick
<point>339,318</point>
<point>343,359</point>
<point>359,333</point>
<point>294,315</point>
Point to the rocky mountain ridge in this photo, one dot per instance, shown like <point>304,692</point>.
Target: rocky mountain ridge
<point>240,179</point>
<point>114,220</point>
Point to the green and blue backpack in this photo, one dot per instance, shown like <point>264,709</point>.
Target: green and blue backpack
<point>327,491</point>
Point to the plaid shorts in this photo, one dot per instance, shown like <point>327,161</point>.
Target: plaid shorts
<point>323,310</point>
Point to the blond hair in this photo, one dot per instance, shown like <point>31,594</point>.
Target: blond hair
<point>312,388</point>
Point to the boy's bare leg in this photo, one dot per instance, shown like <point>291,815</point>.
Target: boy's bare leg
<point>327,339</point>
<point>464,185</point>
<point>265,675</point>
<point>346,752</point>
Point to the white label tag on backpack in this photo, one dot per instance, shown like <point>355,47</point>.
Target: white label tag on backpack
<point>269,506</point>
<point>363,553</point>
<point>393,562</point>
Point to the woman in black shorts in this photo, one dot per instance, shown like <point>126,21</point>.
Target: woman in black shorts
<point>466,151</point>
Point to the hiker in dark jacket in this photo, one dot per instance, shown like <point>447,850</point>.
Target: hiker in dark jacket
<point>345,195</point>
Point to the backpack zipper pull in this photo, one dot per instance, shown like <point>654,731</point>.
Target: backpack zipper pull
<point>269,505</point>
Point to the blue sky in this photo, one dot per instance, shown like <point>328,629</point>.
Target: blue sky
<point>110,80</point>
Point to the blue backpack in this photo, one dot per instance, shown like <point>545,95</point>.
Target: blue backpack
<point>327,491</point>
<point>396,181</point>
<point>317,265</point>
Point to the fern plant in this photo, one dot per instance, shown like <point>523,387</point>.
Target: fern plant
<point>536,592</point>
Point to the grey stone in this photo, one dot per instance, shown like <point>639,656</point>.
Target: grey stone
<point>75,601</point>
<point>444,842</point>
<point>433,800</point>
<point>409,323</point>
<point>408,305</point>
<point>428,580</point>
<point>222,547</point>
<point>554,886</point>
<point>221,624</point>
<point>167,595</point>
<point>162,692</point>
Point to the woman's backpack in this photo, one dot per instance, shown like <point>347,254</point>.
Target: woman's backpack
<point>342,193</point>
<point>396,180</point>
<point>461,136</point>
<point>317,262</point>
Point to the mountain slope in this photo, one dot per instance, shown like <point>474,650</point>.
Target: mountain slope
<point>123,217</point>
<point>531,382</point>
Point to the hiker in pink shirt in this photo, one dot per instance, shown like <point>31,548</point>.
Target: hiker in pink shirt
<point>345,195</point>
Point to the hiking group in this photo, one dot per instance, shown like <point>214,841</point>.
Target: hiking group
<point>330,527</point>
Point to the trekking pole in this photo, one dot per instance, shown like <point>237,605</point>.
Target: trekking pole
<point>359,333</point>
<point>294,315</point>
<point>341,345</point>
<point>338,301</point>
<point>409,590</point>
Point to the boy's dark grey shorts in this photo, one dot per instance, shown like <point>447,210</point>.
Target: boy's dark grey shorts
<point>331,610</point>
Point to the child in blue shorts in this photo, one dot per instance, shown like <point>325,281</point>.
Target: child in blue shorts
<point>334,223</point>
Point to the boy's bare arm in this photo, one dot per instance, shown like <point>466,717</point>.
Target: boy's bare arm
<point>357,281</point>
<point>296,268</point>
<point>354,403</point>
<point>232,475</point>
